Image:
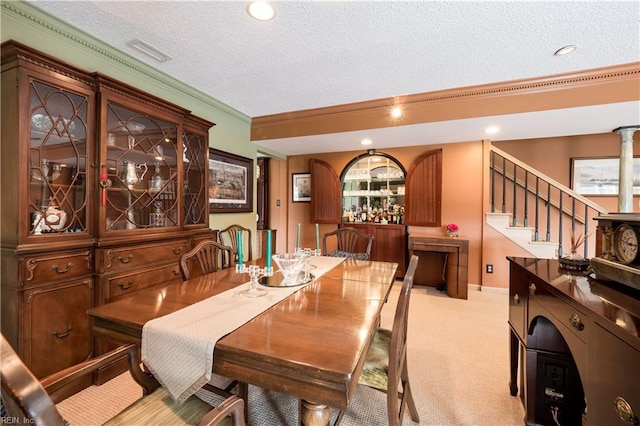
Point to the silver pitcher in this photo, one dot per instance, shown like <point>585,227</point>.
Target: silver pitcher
<point>130,175</point>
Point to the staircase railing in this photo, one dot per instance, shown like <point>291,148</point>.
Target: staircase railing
<point>554,212</point>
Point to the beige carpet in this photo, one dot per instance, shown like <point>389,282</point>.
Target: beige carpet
<point>458,365</point>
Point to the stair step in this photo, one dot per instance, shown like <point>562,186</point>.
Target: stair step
<point>521,235</point>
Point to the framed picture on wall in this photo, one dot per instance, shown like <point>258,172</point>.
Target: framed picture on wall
<point>301,187</point>
<point>600,176</point>
<point>230,183</point>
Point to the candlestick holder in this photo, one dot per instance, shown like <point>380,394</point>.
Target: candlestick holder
<point>255,272</point>
<point>308,251</point>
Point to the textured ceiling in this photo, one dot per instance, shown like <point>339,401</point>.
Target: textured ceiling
<point>322,53</point>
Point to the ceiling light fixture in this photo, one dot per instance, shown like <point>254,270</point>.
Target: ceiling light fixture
<point>366,142</point>
<point>396,112</point>
<point>566,50</point>
<point>492,130</point>
<point>261,10</point>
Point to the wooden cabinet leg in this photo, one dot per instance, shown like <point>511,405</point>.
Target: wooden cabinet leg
<point>514,346</point>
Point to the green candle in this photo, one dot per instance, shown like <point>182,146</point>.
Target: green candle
<point>269,248</point>
<point>239,248</point>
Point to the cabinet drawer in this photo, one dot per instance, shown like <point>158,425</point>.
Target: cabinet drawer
<point>568,315</point>
<point>126,258</point>
<point>126,284</point>
<point>61,266</point>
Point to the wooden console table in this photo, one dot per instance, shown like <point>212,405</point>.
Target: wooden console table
<point>455,269</point>
<point>580,341</point>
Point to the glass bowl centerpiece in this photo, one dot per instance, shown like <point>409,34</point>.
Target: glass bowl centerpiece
<point>291,264</point>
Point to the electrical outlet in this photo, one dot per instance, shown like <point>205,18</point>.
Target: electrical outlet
<point>277,203</point>
<point>489,268</point>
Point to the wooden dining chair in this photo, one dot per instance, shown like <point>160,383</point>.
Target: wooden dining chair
<point>229,236</point>
<point>351,244</point>
<point>34,402</point>
<point>206,257</point>
<point>385,368</point>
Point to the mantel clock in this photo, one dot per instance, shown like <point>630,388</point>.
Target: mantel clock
<point>618,257</point>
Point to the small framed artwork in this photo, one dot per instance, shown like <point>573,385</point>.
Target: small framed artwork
<point>230,183</point>
<point>600,176</point>
<point>301,187</point>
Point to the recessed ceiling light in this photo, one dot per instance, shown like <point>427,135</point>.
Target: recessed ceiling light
<point>366,142</point>
<point>492,130</point>
<point>396,112</point>
<point>566,50</point>
<point>261,10</point>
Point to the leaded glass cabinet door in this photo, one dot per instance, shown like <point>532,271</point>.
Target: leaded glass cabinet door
<point>373,189</point>
<point>195,164</point>
<point>59,158</point>
<point>139,172</point>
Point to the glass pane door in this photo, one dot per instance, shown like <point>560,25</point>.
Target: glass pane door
<point>140,176</point>
<point>373,190</point>
<point>195,166</point>
<point>57,160</point>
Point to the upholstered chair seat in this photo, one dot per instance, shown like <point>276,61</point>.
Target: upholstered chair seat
<point>385,368</point>
<point>159,408</point>
<point>375,373</point>
<point>349,255</point>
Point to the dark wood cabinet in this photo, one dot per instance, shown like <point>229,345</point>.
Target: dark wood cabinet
<point>103,188</point>
<point>389,243</point>
<point>584,330</point>
<point>326,195</point>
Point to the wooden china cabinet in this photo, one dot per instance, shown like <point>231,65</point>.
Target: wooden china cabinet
<point>103,188</point>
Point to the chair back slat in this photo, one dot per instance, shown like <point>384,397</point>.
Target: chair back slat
<point>350,242</point>
<point>206,257</point>
<point>229,237</point>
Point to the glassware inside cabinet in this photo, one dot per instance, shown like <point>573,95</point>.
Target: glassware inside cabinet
<point>57,160</point>
<point>373,190</point>
<point>140,171</point>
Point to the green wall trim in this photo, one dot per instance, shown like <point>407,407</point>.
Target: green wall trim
<point>50,24</point>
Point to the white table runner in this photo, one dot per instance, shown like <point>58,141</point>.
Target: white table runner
<point>178,348</point>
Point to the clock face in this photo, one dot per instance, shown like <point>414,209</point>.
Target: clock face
<point>625,243</point>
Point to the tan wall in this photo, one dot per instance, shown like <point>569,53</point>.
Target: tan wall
<point>461,198</point>
<point>463,189</point>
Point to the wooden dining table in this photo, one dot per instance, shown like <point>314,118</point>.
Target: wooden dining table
<point>311,345</point>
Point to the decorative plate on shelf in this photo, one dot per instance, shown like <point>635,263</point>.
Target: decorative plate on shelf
<point>132,126</point>
<point>43,123</point>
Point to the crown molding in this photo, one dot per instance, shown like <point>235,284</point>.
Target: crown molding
<point>618,83</point>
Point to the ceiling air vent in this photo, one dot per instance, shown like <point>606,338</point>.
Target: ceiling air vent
<point>147,49</point>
